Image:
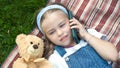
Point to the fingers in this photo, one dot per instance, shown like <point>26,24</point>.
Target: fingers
<point>74,23</point>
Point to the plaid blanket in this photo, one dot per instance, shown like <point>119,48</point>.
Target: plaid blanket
<point>103,15</point>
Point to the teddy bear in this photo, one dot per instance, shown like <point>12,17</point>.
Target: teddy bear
<point>30,48</point>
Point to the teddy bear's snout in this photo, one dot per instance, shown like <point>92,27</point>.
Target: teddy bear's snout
<point>35,46</point>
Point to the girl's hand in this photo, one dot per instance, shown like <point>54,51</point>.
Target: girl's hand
<point>74,23</point>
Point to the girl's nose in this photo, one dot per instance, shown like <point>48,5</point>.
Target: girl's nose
<point>59,32</point>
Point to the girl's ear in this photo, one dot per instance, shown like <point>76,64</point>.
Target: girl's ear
<point>20,38</point>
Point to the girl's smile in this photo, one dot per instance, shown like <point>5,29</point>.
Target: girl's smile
<point>64,38</point>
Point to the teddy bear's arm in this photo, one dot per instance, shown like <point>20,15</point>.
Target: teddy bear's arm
<point>45,64</point>
<point>39,60</point>
<point>19,63</point>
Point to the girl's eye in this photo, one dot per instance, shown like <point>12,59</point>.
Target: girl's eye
<point>62,25</point>
<point>31,42</point>
<point>52,32</point>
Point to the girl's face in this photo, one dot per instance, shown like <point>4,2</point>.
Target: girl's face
<point>57,29</point>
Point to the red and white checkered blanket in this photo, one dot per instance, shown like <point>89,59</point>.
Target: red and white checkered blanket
<point>103,15</point>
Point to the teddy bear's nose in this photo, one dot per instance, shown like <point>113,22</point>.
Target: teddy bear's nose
<point>35,46</point>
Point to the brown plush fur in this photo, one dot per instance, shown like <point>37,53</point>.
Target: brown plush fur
<point>31,49</point>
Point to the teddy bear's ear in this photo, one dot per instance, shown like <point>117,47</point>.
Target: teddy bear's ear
<point>20,38</point>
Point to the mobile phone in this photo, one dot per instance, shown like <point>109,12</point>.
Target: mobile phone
<point>74,31</point>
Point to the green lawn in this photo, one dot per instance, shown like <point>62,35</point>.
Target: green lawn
<point>16,16</point>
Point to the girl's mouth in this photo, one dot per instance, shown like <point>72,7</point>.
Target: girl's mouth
<point>64,38</point>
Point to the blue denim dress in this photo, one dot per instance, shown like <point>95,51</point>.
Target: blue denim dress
<point>85,57</point>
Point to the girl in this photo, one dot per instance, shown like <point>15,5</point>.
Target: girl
<point>61,48</point>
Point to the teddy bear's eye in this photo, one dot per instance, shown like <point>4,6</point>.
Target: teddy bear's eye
<point>31,42</point>
<point>38,43</point>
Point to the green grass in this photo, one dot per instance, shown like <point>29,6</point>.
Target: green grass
<point>16,16</point>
